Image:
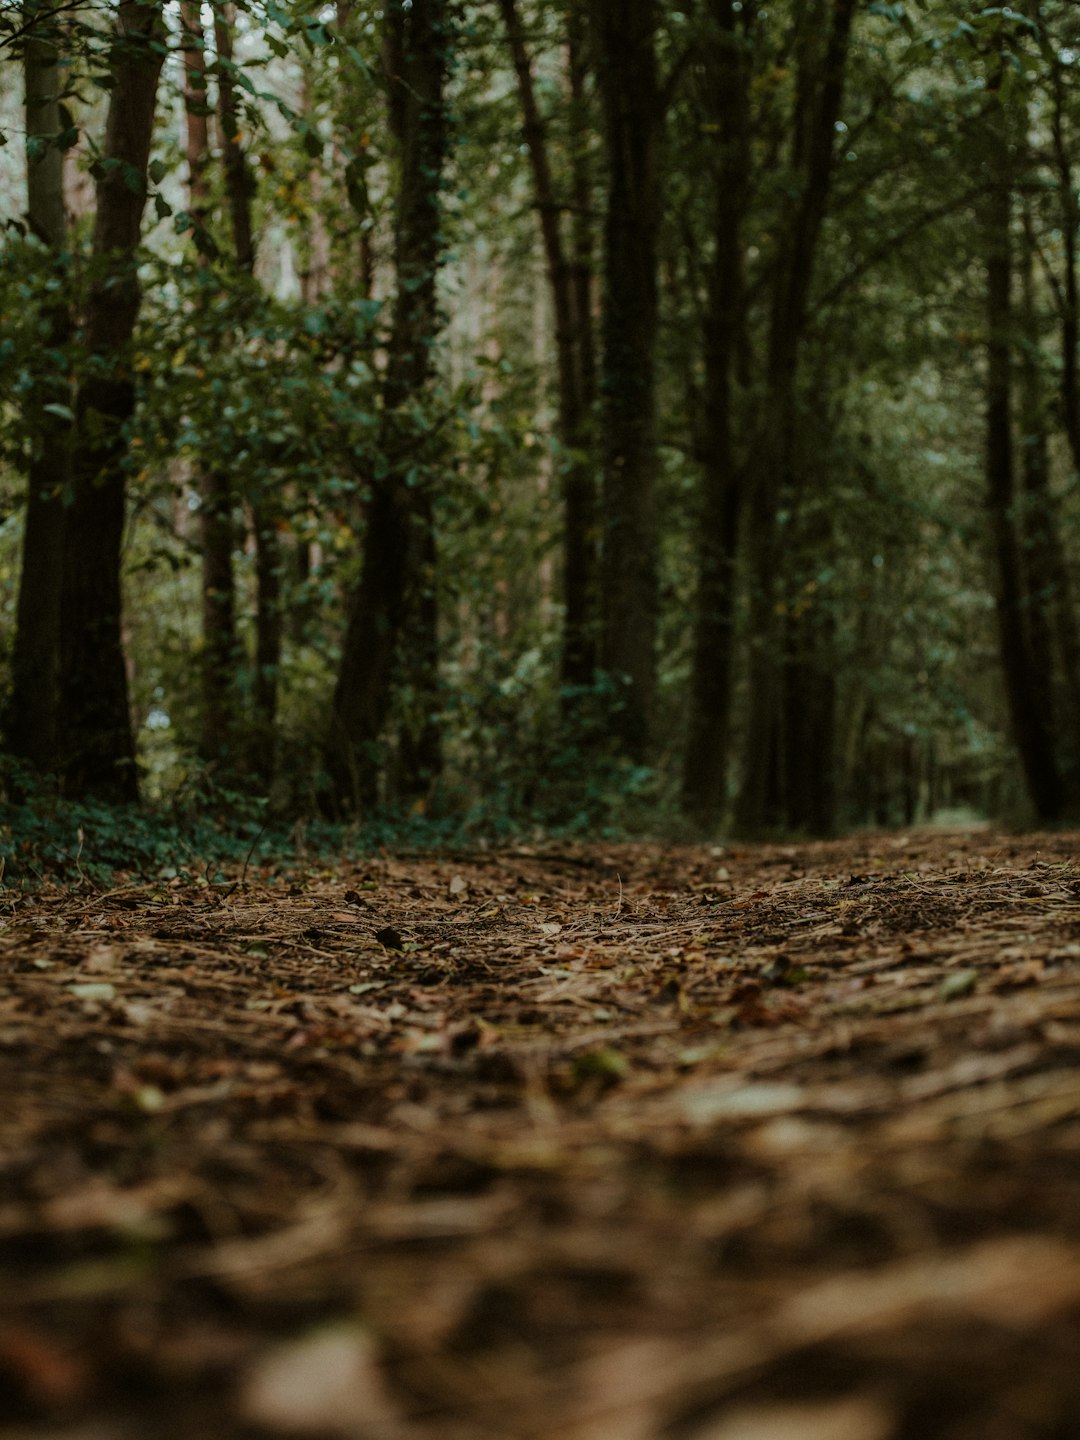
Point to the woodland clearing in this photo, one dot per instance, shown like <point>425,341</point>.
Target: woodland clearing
<point>588,1142</point>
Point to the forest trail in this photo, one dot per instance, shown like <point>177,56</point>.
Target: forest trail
<point>606,1142</point>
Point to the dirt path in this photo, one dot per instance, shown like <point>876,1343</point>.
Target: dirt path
<point>605,1143</point>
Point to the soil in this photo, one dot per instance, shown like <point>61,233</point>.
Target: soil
<point>608,1142</point>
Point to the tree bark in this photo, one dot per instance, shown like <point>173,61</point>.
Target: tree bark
<point>704,781</point>
<point>96,740</point>
<point>239,182</point>
<point>1026,700</point>
<point>217,741</point>
<point>394,592</point>
<point>221,650</point>
<point>820,89</point>
<point>625,34</point>
<point>197,137</point>
<point>269,636</point>
<point>1069,212</point>
<point>35,660</point>
<point>265,511</point>
<point>570,296</point>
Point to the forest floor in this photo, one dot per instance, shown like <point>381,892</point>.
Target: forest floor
<point>608,1142</point>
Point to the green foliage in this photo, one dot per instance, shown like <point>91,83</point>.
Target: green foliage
<point>276,380</point>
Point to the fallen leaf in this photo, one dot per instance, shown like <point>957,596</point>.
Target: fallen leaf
<point>389,938</point>
<point>324,1383</point>
<point>94,990</point>
<point>726,1101</point>
<point>851,1419</point>
<point>962,983</point>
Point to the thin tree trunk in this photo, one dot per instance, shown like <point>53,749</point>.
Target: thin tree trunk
<point>809,759</point>
<point>583,228</point>
<point>195,110</point>
<point>393,591</point>
<point>269,635</point>
<point>1054,639</point>
<point>217,525</point>
<point>35,661</point>
<point>420,736</point>
<point>239,183</point>
<point>1069,210</point>
<point>216,521</point>
<point>572,346</point>
<point>819,96</point>
<point>96,740</point>
<point>265,511</point>
<point>633,118</point>
<point>1030,723</point>
<point>704,789</point>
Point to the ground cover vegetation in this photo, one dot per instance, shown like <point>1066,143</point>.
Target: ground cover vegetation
<point>542,414</point>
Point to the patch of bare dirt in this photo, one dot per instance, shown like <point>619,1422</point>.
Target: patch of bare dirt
<point>595,1143</point>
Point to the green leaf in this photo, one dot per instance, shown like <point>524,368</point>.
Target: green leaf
<point>63,412</point>
<point>317,33</point>
<point>204,242</point>
<point>162,207</point>
<point>157,171</point>
<point>133,178</point>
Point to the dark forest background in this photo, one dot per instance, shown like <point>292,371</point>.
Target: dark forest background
<point>498,415</point>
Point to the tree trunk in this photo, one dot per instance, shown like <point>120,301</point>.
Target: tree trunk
<point>195,111</point>
<point>581,556</point>
<point>1030,722</point>
<point>633,117</point>
<point>96,740</point>
<point>217,743</point>
<point>239,183</point>
<point>221,651</point>
<point>572,348</point>
<point>35,661</point>
<point>1069,212</point>
<point>820,89</point>
<point>1052,627</point>
<point>704,786</point>
<point>420,736</point>
<point>393,590</point>
<point>269,634</point>
<point>269,618</point>
<point>809,729</point>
